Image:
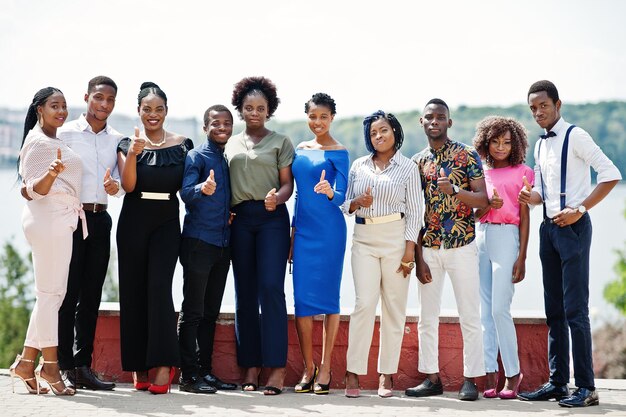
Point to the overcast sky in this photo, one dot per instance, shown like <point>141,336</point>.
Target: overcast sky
<point>393,55</point>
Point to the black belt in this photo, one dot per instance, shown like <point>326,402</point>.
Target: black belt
<point>94,207</point>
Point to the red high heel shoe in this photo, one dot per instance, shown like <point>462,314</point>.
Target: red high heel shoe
<point>163,389</point>
<point>140,385</point>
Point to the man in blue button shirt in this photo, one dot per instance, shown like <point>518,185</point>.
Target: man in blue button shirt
<point>204,252</point>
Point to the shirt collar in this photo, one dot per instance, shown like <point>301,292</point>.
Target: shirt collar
<point>440,150</point>
<point>558,127</point>
<point>84,125</point>
<point>392,160</point>
<point>214,147</point>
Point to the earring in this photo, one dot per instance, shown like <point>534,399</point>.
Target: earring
<point>40,121</point>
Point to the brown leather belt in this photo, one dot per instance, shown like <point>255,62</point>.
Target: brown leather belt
<point>94,207</point>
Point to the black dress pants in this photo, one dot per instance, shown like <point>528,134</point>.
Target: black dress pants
<point>79,312</point>
<point>205,268</point>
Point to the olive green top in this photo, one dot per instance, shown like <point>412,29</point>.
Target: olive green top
<point>254,168</point>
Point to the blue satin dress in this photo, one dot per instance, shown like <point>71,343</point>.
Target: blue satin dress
<point>320,235</point>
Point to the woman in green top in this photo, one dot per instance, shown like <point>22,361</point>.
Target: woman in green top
<point>261,182</point>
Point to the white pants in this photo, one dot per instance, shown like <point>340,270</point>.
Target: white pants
<point>461,264</point>
<point>377,251</point>
<point>48,224</point>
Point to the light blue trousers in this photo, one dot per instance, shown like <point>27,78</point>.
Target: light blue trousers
<point>498,248</point>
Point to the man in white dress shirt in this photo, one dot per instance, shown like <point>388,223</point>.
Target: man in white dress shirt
<point>96,142</point>
<point>563,157</point>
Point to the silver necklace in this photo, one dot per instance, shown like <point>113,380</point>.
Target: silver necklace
<point>157,144</point>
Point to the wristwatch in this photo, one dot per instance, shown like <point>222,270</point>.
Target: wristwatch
<point>582,209</point>
<point>455,189</point>
<point>410,265</point>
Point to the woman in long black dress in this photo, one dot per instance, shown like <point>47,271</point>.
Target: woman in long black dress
<point>148,236</point>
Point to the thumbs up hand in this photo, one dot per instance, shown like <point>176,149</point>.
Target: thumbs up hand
<point>110,185</point>
<point>209,186</point>
<point>137,143</point>
<point>271,200</point>
<point>496,201</point>
<point>524,195</point>
<point>57,166</point>
<point>366,199</point>
<point>443,182</point>
<point>323,186</point>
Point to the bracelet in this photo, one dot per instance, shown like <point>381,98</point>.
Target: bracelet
<point>410,265</point>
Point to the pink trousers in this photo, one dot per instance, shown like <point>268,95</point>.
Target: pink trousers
<point>48,224</point>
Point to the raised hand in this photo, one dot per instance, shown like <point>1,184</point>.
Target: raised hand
<point>57,166</point>
<point>496,201</point>
<point>323,186</point>
<point>271,200</point>
<point>137,143</point>
<point>366,199</point>
<point>209,186</point>
<point>110,185</point>
<point>524,195</point>
<point>443,182</point>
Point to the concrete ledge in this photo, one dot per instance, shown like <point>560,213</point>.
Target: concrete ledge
<point>531,332</point>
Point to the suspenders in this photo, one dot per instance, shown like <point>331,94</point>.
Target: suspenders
<point>563,171</point>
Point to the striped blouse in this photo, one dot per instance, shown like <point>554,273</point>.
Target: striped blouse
<point>397,189</point>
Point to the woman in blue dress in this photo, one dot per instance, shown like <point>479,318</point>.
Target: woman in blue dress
<point>318,243</point>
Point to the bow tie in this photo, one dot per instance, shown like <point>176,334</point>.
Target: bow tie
<point>549,135</point>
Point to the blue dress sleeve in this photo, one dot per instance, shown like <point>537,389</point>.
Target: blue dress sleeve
<point>191,189</point>
<point>341,165</point>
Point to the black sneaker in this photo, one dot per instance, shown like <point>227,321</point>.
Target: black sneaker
<point>425,389</point>
<point>196,385</point>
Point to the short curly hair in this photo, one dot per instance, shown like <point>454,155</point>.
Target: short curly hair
<point>321,99</point>
<point>256,85</point>
<point>495,126</point>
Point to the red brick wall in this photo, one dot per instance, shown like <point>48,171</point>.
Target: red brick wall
<point>531,334</point>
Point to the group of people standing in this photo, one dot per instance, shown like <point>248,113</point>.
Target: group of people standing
<point>438,212</point>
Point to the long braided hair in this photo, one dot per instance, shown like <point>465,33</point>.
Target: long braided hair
<point>31,119</point>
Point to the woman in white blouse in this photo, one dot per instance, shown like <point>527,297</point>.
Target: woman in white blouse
<point>385,195</point>
<point>51,174</point>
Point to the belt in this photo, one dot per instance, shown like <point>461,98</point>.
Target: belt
<point>155,196</point>
<point>94,207</point>
<point>379,220</point>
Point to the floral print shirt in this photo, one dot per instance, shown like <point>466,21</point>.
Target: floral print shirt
<point>448,222</point>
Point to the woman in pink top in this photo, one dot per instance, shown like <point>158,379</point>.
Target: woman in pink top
<point>51,174</point>
<point>502,240</point>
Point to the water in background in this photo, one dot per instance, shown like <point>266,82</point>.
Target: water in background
<point>608,220</point>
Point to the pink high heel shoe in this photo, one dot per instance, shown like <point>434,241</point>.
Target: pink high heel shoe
<point>507,394</point>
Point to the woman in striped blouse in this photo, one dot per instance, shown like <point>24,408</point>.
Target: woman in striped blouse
<point>385,194</point>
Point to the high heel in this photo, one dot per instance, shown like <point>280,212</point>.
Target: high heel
<point>382,391</point>
<point>250,386</point>
<point>302,387</point>
<point>140,385</point>
<point>352,392</point>
<point>323,389</point>
<point>12,371</point>
<point>163,389</point>
<point>492,392</point>
<point>39,377</point>
<point>507,394</point>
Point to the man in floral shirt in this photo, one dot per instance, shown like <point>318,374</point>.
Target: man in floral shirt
<point>453,183</point>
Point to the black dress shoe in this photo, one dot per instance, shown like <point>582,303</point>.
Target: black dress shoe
<point>218,383</point>
<point>86,378</point>
<point>468,391</point>
<point>69,378</point>
<point>425,389</point>
<point>196,385</point>
<point>582,397</point>
<point>545,392</point>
